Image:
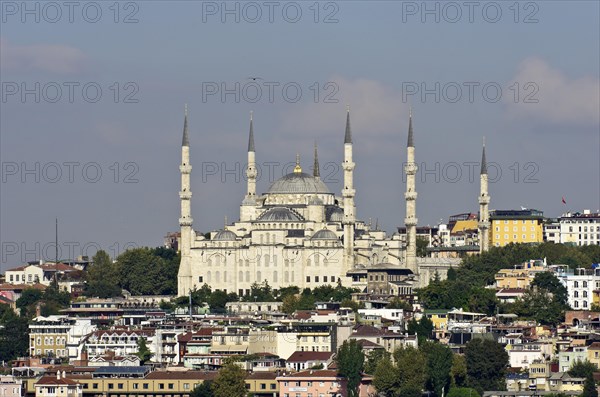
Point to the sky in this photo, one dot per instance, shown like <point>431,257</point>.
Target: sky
<point>93,95</point>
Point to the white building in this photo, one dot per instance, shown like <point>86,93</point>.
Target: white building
<point>58,336</point>
<point>10,386</point>
<point>580,286</point>
<point>297,233</point>
<point>59,386</point>
<point>580,229</point>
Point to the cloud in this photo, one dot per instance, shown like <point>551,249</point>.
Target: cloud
<point>55,58</point>
<point>375,109</point>
<point>560,99</point>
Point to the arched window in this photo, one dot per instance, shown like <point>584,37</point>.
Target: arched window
<point>247,262</point>
<point>275,276</point>
<point>240,276</point>
<point>286,276</point>
<point>266,260</point>
<point>218,276</point>
<point>208,277</point>
<point>258,277</point>
<point>247,276</point>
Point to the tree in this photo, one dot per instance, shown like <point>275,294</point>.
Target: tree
<point>143,353</point>
<point>422,244</point>
<point>582,369</point>
<point>458,372</point>
<point>27,301</point>
<point>260,293</point>
<point>397,303</point>
<point>386,378</point>
<point>290,304</point>
<point>486,364</point>
<point>439,365</point>
<point>350,363</point>
<point>14,331</point>
<point>230,381</point>
<point>589,387</point>
<point>203,389</point>
<point>374,358</point>
<point>422,328</point>
<point>412,368</point>
<point>462,392</point>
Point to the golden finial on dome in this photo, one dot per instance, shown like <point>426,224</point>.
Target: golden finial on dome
<point>297,168</point>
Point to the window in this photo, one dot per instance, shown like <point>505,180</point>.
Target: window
<point>161,386</point>
<point>171,386</point>
<point>94,385</point>
<point>263,386</point>
<point>273,386</point>
<point>111,386</point>
<point>316,279</point>
<point>135,386</point>
<point>119,385</point>
<point>145,386</point>
<point>308,279</point>
<point>200,279</point>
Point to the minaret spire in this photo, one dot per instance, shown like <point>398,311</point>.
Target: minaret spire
<point>297,168</point>
<point>483,160</point>
<point>186,139</point>
<point>411,139</point>
<point>185,282</point>
<point>348,196</point>
<point>484,201</point>
<point>316,172</point>
<point>251,135</point>
<point>247,210</point>
<point>411,201</point>
<point>348,135</point>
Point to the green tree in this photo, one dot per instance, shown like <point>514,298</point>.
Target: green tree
<point>350,363</point>
<point>386,378</point>
<point>230,381</point>
<point>422,328</point>
<point>462,392</point>
<point>412,368</point>
<point>582,369</point>
<point>486,361</point>
<point>27,301</point>
<point>203,389</point>
<point>374,358</point>
<point>218,299</point>
<point>589,387</point>
<point>260,293</point>
<point>290,304</point>
<point>439,364</point>
<point>143,353</point>
<point>422,244</point>
<point>14,331</point>
<point>458,372</point>
<point>148,271</point>
<point>397,303</point>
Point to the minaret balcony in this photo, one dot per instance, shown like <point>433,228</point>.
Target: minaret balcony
<point>410,221</point>
<point>348,193</point>
<point>411,168</point>
<point>410,195</point>
<point>347,166</point>
<point>185,169</point>
<point>484,200</point>
<point>185,195</point>
<point>483,225</point>
<point>186,221</point>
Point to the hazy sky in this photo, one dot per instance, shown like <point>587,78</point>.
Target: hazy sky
<point>93,96</point>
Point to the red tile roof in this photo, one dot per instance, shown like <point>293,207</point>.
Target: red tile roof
<point>52,380</point>
<point>297,356</point>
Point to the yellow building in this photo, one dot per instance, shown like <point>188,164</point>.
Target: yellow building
<point>439,318</point>
<point>516,226</point>
<point>520,276</point>
<point>48,336</point>
<point>127,381</point>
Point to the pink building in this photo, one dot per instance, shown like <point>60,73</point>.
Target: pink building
<point>313,383</point>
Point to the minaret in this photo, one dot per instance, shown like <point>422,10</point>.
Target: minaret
<point>484,200</point>
<point>348,196</point>
<point>316,171</point>
<point>185,221</point>
<point>410,169</point>
<point>251,170</point>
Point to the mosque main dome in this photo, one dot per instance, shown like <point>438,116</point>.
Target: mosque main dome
<point>298,182</point>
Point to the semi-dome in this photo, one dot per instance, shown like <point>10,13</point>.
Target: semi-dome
<point>324,234</point>
<point>335,214</point>
<point>279,214</point>
<point>298,182</point>
<point>225,235</point>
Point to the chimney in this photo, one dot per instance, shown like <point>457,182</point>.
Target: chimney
<point>58,374</point>
<point>64,375</point>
